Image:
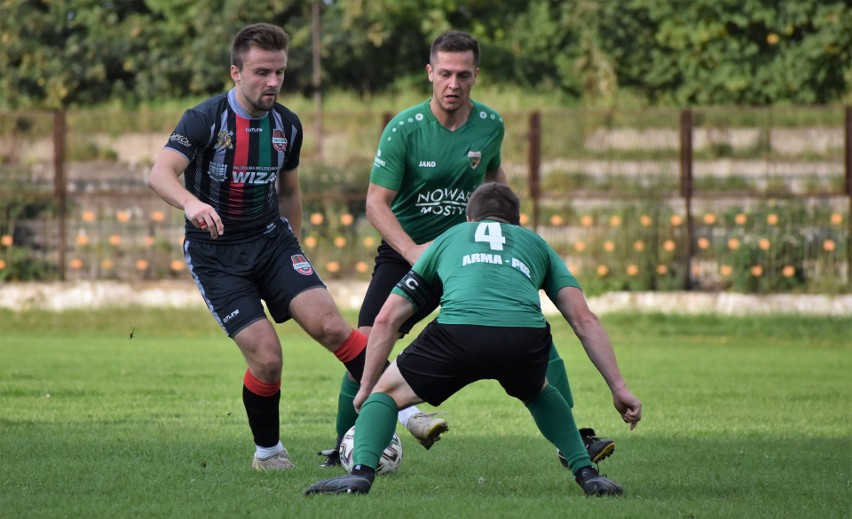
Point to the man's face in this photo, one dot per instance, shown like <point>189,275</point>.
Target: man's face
<point>260,79</point>
<point>452,75</point>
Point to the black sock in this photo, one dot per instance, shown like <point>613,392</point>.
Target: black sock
<point>263,417</point>
<point>355,367</point>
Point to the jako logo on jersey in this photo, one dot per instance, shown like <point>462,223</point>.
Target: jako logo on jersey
<point>279,141</point>
<point>302,265</point>
<point>428,164</point>
<point>474,158</point>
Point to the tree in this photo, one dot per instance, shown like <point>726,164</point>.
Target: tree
<point>730,51</point>
<point>78,52</point>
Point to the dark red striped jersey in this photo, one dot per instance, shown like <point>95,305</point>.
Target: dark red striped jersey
<point>234,162</point>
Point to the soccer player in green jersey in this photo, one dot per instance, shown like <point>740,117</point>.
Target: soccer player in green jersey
<point>490,326</point>
<point>430,159</point>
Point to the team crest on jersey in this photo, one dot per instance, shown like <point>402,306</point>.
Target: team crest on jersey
<point>474,158</point>
<point>223,140</point>
<point>302,265</point>
<point>279,141</point>
<point>217,171</point>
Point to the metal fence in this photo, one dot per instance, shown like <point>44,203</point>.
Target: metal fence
<point>740,199</point>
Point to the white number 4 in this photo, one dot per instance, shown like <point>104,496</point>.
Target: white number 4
<point>491,233</point>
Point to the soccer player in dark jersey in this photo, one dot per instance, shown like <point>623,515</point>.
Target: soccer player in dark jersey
<point>490,326</point>
<point>241,246</point>
<point>430,159</point>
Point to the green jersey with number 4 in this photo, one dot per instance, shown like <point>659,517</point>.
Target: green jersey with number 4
<point>434,170</point>
<point>491,274</point>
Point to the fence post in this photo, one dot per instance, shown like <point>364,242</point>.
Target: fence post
<point>316,79</point>
<point>686,186</point>
<point>534,164</point>
<point>848,150</point>
<point>60,188</point>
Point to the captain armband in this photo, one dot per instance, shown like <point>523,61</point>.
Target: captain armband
<point>418,289</point>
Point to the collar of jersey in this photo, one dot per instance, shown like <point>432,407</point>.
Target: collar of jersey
<point>238,108</point>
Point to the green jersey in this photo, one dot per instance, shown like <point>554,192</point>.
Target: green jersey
<point>434,170</point>
<point>490,273</point>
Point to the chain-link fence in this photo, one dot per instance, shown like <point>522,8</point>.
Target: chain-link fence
<point>744,199</point>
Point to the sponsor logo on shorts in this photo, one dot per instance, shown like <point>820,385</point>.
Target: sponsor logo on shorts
<point>279,141</point>
<point>302,265</point>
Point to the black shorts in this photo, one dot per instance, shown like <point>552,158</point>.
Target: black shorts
<point>234,278</point>
<point>446,357</point>
<point>390,268</point>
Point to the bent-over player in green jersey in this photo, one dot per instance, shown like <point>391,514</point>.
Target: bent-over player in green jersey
<point>490,326</point>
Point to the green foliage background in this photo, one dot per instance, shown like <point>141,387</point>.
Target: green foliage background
<point>79,52</point>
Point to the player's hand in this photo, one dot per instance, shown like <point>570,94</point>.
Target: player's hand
<point>204,217</point>
<point>360,398</point>
<point>413,253</point>
<point>628,406</point>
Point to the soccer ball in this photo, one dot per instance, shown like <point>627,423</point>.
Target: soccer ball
<point>389,462</point>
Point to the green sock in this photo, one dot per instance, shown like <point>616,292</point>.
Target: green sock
<point>556,422</point>
<point>346,414</point>
<point>557,376</point>
<point>374,429</point>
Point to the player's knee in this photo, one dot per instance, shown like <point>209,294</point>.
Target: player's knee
<point>267,370</point>
<point>332,332</point>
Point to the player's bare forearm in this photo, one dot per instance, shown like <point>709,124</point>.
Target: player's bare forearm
<point>163,180</point>
<point>588,328</point>
<point>291,209</point>
<point>381,217</point>
<point>383,337</point>
<point>290,200</point>
<point>379,347</point>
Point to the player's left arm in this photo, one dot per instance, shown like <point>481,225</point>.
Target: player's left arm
<point>290,200</point>
<point>396,310</point>
<point>572,304</point>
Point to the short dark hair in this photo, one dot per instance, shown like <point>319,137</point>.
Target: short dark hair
<point>496,201</point>
<point>259,35</point>
<point>455,41</point>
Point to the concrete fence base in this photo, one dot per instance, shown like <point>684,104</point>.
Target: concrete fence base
<point>348,295</point>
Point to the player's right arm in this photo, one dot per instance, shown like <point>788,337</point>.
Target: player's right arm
<point>396,310</point>
<point>380,215</point>
<point>164,180</point>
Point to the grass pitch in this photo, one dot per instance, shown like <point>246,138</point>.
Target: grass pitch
<point>742,418</point>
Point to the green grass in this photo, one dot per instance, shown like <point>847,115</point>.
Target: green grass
<point>743,418</point>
